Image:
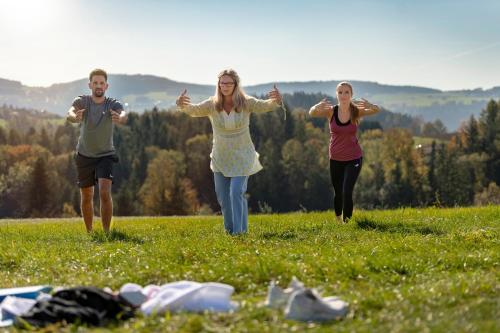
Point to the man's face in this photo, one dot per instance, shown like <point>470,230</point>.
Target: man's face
<point>98,85</point>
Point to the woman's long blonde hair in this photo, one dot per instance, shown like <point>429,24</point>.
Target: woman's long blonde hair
<point>354,110</point>
<point>239,97</point>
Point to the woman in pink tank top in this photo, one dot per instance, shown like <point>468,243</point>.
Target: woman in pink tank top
<point>345,152</point>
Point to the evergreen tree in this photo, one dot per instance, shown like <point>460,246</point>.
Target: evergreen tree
<point>470,133</point>
<point>453,179</point>
<point>489,123</point>
<point>431,175</point>
<point>14,137</point>
<point>44,139</point>
<point>3,136</point>
<point>40,192</point>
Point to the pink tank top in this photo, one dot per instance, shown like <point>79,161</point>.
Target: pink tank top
<point>344,144</point>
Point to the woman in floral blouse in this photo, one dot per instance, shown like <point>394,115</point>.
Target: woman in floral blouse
<point>233,157</point>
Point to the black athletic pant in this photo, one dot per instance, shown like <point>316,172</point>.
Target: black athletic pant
<point>344,175</point>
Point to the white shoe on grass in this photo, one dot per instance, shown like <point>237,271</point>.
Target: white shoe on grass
<point>278,297</point>
<point>307,305</point>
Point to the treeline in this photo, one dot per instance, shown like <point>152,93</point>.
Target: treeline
<point>164,164</point>
<point>462,171</point>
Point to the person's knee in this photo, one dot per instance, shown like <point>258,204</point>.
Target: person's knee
<point>237,192</point>
<point>105,194</point>
<point>87,194</point>
<point>105,189</point>
<point>347,194</point>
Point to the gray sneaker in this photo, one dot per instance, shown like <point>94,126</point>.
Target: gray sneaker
<point>307,305</point>
<point>277,297</point>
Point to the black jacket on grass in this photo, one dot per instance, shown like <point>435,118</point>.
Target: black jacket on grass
<point>84,305</point>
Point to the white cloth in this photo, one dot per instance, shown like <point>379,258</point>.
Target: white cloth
<point>182,296</point>
<point>12,306</point>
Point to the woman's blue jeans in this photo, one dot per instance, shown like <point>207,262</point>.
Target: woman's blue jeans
<point>231,197</point>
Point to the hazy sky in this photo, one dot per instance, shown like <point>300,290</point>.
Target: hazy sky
<point>444,44</point>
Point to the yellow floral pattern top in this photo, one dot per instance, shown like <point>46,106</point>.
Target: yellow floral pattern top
<point>233,152</point>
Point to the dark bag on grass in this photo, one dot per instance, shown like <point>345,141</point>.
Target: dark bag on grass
<point>85,305</point>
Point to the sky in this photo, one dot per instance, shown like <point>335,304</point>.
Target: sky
<point>443,44</point>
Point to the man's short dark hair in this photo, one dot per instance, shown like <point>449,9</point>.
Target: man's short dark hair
<point>98,71</point>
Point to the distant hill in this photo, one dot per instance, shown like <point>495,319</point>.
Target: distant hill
<point>22,119</point>
<point>139,91</point>
<point>145,91</point>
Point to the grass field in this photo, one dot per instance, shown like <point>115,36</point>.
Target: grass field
<point>421,140</point>
<point>406,270</point>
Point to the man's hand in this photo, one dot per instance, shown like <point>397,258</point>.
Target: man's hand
<point>79,115</point>
<point>115,117</point>
<point>118,118</point>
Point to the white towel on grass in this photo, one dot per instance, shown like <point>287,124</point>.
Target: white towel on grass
<point>181,296</point>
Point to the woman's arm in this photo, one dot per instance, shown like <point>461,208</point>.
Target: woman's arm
<point>366,108</point>
<point>267,105</point>
<point>261,105</point>
<point>202,109</point>
<point>322,110</point>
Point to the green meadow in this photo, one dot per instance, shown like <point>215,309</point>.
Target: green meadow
<point>406,270</point>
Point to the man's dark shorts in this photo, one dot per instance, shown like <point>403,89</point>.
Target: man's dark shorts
<point>90,169</point>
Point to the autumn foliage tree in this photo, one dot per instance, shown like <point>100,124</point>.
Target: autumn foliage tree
<point>166,190</point>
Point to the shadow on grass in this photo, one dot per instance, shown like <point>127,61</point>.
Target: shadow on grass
<point>311,229</point>
<point>8,263</point>
<point>283,235</point>
<point>294,233</point>
<point>399,227</point>
<point>114,236</point>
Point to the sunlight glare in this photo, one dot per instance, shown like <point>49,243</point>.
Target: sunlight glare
<point>26,15</point>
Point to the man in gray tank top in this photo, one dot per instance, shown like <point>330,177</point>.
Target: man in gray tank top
<point>95,152</point>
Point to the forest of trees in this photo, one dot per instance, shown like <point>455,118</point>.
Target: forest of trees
<point>164,163</point>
